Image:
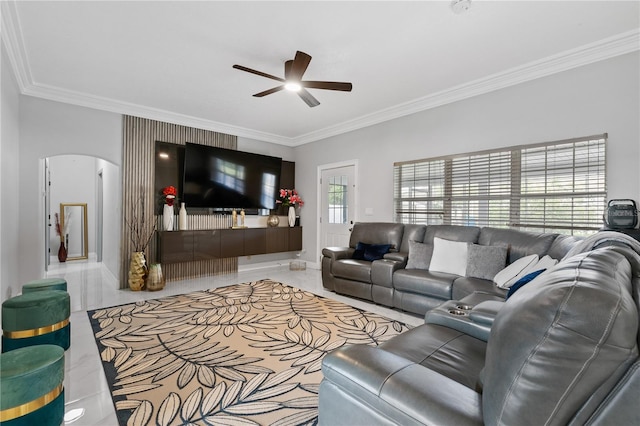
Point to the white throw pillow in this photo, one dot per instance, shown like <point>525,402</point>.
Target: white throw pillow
<point>512,273</point>
<point>546,262</point>
<point>449,256</point>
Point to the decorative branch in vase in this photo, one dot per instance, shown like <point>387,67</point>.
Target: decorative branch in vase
<point>141,232</point>
<point>290,198</point>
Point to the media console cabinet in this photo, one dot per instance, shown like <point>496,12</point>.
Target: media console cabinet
<point>187,246</point>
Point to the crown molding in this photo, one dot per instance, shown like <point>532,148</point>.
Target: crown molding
<point>11,35</point>
<point>125,108</point>
<point>601,50</point>
<point>610,47</point>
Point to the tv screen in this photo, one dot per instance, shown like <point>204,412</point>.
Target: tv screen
<point>225,178</point>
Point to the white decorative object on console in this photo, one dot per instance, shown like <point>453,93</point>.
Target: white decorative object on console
<point>182,218</point>
<point>291,216</point>
<point>167,217</point>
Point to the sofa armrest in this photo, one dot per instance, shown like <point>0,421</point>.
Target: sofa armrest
<point>337,253</point>
<point>475,320</point>
<point>382,271</point>
<point>396,388</point>
<point>399,257</point>
<point>485,312</point>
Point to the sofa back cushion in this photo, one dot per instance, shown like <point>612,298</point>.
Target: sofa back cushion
<point>468,234</point>
<point>411,233</point>
<point>560,344</point>
<point>561,245</point>
<point>518,243</point>
<point>377,233</point>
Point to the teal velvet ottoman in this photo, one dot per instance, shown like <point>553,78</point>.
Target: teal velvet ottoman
<point>36,318</point>
<point>45,284</point>
<point>31,386</point>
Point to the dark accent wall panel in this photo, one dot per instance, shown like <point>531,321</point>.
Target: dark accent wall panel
<point>139,198</point>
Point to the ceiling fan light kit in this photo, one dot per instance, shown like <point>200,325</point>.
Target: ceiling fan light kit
<point>293,72</point>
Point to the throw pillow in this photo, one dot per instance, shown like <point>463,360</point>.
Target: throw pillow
<point>449,256</point>
<point>370,252</point>
<point>485,261</point>
<point>359,251</point>
<point>522,281</point>
<point>545,262</point>
<point>417,255</point>
<point>509,275</point>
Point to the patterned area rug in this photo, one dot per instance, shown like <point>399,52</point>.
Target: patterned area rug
<point>239,355</point>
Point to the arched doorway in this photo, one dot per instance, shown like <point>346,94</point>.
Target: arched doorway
<point>86,181</point>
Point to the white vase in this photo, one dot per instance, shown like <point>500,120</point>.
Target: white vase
<point>167,217</point>
<point>291,216</point>
<point>182,218</point>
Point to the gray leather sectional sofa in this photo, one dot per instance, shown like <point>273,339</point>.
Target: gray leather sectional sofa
<point>562,350</point>
<point>389,281</point>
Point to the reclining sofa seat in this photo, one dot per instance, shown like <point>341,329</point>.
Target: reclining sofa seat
<point>562,350</point>
<point>355,277</point>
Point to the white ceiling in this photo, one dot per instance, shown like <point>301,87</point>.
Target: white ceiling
<point>172,60</point>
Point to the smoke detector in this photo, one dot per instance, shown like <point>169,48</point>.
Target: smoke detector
<point>460,6</point>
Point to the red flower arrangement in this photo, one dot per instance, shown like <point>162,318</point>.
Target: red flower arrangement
<point>290,197</point>
<point>169,194</point>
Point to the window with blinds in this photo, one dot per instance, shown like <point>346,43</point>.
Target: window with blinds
<point>551,187</point>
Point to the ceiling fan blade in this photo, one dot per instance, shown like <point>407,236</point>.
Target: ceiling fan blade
<point>328,85</point>
<point>287,69</point>
<point>308,98</point>
<point>299,66</point>
<point>260,73</point>
<point>268,92</point>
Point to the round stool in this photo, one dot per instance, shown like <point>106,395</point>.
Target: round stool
<point>37,318</point>
<point>31,388</point>
<point>45,284</point>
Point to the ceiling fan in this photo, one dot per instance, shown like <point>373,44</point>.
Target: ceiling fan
<point>293,71</point>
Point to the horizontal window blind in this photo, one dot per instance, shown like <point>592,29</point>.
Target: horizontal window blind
<point>550,187</point>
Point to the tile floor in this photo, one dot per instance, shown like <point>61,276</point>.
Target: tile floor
<point>91,286</point>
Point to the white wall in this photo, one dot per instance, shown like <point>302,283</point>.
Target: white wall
<point>9,178</point>
<point>112,211</point>
<point>598,98</point>
<point>266,148</point>
<point>48,129</point>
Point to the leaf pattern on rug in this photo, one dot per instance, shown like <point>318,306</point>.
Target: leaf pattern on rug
<point>245,354</point>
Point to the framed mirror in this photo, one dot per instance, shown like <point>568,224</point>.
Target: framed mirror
<point>73,220</point>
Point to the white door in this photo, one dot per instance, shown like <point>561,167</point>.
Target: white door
<point>47,215</point>
<point>99,216</point>
<point>337,205</point>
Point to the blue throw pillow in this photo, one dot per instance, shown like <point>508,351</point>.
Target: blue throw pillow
<point>359,252</point>
<point>522,281</point>
<point>370,252</point>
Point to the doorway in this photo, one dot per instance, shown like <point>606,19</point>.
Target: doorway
<point>81,179</point>
<point>337,203</point>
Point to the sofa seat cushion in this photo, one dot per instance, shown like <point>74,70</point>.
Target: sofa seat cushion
<point>419,281</point>
<point>452,353</point>
<point>464,286</point>
<point>352,269</point>
<point>366,385</point>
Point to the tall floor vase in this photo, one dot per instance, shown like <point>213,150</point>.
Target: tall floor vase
<point>62,253</point>
<point>137,271</point>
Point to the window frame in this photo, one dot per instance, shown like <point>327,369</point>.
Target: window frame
<point>457,174</point>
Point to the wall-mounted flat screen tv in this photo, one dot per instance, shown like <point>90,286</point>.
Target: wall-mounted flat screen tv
<point>225,179</point>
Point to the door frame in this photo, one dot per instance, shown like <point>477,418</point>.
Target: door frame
<point>356,199</point>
